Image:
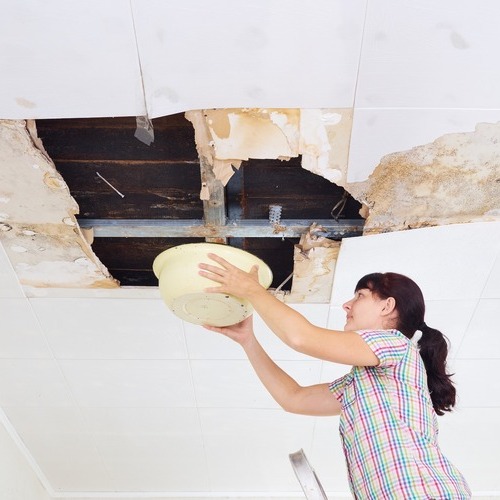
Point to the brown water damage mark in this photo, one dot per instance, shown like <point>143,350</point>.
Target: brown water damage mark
<point>42,238</point>
<point>25,103</point>
<point>226,137</point>
<point>451,180</point>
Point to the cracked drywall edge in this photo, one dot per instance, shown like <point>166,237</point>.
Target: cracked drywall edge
<point>39,229</point>
<point>227,136</point>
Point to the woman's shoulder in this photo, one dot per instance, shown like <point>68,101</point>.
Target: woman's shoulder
<point>383,334</point>
<point>388,345</point>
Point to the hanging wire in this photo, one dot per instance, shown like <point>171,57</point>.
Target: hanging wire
<point>284,283</point>
<point>340,205</point>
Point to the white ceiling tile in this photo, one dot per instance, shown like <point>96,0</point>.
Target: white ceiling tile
<point>204,344</point>
<point>428,54</point>
<point>9,284</point>
<point>155,463</point>
<point>234,384</point>
<point>326,456</point>
<point>379,132</point>
<point>21,335</point>
<point>317,314</point>
<point>477,381</point>
<point>48,419</point>
<point>278,350</point>
<point>151,449</point>
<point>62,447</point>
<point>140,421</point>
<point>332,371</point>
<point>110,328</point>
<point>482,339</point>
<point>32,382</point>
<point>450,317</point>
<point>124,292</point>
<point>337,316</point>
<point>492,287</point>
<point>252,49</point>
<point>469,437</point>
<point>442,260</point>
<point>239,441</point>
<point>228,384</point>
<point>84,76</point>
<point>131,383</point>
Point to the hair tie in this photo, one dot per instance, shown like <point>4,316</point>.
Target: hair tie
<point>422,326</point>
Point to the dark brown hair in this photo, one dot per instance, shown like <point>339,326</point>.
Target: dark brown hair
<point>433,344</point>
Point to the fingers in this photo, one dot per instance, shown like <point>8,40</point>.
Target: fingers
<point>223,262</point>
<point>212,328</point>
<point>215,270</point>
<point>212,269</point>
<point>226,266</point>
<point>231,278</point>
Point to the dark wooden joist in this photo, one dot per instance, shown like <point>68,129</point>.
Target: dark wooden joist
<point>152,190</point>
<point>113,138</point>
<point>301,194</point>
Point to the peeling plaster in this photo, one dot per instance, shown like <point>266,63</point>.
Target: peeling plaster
<point>223,169</point>
<point>315,258</point>
<point>42,238</point>
<point>228,136</point>
<point>455,179</point>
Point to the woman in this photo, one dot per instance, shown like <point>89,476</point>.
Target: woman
<point>387,403</point>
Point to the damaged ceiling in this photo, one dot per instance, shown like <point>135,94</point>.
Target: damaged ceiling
<point>155,196</point>
<point>219,175</point>
<point>374,127</point>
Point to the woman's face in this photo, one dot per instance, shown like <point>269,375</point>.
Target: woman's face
<point>365,311</point>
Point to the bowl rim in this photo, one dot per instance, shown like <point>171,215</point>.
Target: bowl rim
<point>265,272</point>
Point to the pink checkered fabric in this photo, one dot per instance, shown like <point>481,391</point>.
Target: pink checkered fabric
<point>389,428</point>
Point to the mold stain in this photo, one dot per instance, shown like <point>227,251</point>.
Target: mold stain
<point>451,180</point>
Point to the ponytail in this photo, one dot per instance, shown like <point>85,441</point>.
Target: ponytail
<point>434,350</point>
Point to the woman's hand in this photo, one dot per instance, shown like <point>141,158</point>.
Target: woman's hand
<point>232,279</point>
<point>241,332</point>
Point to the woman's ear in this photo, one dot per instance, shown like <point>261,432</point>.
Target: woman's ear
<point>389,306</point>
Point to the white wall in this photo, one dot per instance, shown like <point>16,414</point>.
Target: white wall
<point>17,479</point>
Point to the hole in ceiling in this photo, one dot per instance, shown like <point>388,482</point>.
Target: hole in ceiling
<point>114,176</point>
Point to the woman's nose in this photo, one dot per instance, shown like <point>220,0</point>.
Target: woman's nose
<point>346,306</point>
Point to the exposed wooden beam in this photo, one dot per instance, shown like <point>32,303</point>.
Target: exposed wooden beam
<point>214,208</point>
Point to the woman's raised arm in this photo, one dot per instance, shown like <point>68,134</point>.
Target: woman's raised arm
<point>289,325</point>
<point>292,397</point>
